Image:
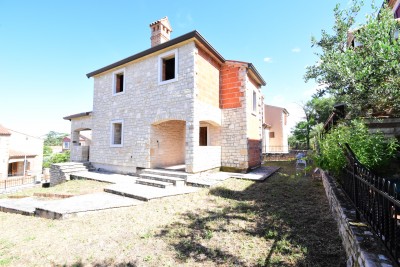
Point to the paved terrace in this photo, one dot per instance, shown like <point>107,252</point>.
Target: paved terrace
<point>124,192</point>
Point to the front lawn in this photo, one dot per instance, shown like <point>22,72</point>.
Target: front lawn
<point>73,187</point>
<point>284,221</point>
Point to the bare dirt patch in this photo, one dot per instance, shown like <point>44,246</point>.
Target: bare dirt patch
<point>284,221</point>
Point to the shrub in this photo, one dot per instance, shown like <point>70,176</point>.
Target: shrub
<point>56,158</point>
<point>372,150</point>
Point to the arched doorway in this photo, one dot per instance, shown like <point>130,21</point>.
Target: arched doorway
<point>168,144</point>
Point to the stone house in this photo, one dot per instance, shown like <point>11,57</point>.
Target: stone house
<point>178,103</point>
<point>19,153</point>
<point>276,130</point>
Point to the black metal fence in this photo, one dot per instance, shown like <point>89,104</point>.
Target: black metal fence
<point>376,199</point>
<point>16,181</point>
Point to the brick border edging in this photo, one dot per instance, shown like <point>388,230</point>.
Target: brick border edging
<point>362,247</point>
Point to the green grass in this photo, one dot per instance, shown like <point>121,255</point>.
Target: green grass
<point>73,187</point>
<point>283,221</point>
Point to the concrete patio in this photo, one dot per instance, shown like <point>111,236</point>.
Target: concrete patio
<point>123,191</point>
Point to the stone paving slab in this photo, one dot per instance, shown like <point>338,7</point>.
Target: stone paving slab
<point>208,179</point>
<point>61,208</point>
<point>25,206</point>
<point>57,209</point>
<point>146,193</point>
<point>112,178</point>
<point>259,174</point>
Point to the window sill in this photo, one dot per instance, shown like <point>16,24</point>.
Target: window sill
<point>116,145</point>
<point>167,81</point>
<point>120,93</point>
<point>254,113</point>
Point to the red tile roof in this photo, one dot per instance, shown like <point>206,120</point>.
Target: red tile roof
<point>4,131</point>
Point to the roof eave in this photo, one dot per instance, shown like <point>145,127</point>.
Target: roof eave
<point>78,115</point>
<point>175,41</point>
<point>257,74</point>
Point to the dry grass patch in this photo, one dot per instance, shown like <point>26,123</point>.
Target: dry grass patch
<point>72,187</point>
<point>284,221</point>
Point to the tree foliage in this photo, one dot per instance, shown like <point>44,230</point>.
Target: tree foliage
<point>365,76</point>
<point>316,111</point>
<point>56,158</point>
<point>372,150</point>
<point>54,138</point>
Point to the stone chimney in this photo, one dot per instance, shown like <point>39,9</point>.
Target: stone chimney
<point>160,31</point>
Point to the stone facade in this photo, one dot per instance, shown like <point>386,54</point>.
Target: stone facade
<point>362,247</point>
<point>242,123</point>
<point>161,119</point>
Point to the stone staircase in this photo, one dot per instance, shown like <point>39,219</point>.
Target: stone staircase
<point>162,178</point>
<point>60,172</point>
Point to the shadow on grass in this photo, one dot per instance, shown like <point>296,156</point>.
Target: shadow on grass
<point>105,263</point>
<point>287,211</point>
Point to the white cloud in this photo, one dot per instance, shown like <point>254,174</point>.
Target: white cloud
<point>296,50</point>
<point>296,114</point>
<point>268,59</point>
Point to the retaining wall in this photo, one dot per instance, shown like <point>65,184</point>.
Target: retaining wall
<point>362,247</point>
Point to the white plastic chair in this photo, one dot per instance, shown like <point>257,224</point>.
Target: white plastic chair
<point>301,162</point>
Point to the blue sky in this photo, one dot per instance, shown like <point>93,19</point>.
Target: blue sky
<point>47,47</point>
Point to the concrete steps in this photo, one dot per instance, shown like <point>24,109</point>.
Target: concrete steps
<point>153,182</point>
<point>60,172</point>
<point>162,178</point>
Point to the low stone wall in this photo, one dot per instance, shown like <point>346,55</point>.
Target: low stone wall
<point>362,247</point>
<point>283,156</point>
<point>60,172</point>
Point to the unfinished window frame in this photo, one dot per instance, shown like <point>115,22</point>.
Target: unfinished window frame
<point>208,134</point>
<point>161,58</point>
<point>112,133</point>
<point>115,74</point>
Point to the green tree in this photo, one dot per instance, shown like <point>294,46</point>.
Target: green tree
<point>365,75</point>
<point>54,138</point>
<point>316,111</point>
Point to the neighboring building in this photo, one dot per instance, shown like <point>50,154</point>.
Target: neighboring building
<point>276,130</point>
<point>395,6</point>
<point>19,152</point>
<point>83,141</point>
<point>177,103</point>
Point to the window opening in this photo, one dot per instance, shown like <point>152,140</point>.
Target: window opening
<point>203,136</point>
<point>168,69</point>
<point>119,83</point>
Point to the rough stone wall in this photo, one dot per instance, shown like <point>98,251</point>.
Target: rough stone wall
<point>362,247</point>
<point>4,154</point>
<point>234,117</point>
<point>60,172</point>
<point>144,102</point>
<point>168,144</point>
<point>241,132</point>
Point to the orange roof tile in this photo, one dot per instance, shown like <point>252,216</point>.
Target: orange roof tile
<point>4,131</point>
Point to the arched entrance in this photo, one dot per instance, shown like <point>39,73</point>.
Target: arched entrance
<point>80,144</point>
<point>168,144</point>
